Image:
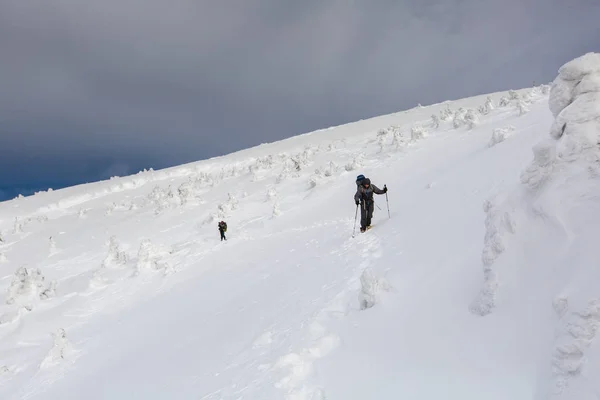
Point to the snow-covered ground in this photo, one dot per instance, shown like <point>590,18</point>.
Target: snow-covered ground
<point>483,284</point>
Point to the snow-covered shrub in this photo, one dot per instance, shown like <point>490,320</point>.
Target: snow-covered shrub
<point>81,213</point>
<point>61,349</point>
<point>446,114</point>
<point>504,101</point>
<point>471,118</point>
<point>110,209</point>
<point>398,140</point>
<point>417,132</point>
<point>371,287</point>
<point>17,226</point>
<point>435,122</point>
<point>233,201</point>
<point>164,199</point>
<point>522,107</point>
<point>115,256</point>
<point>356,163</point>
<point>381,136</point>
<point>151,256</point>
<point>513,95</point>
<point>498,224</point>
<point>29,287</point>
<point>500,134</point>
<point>487,107</point>
<point>331,169</point>
<point>276,209</point>
<point>458,119</point>
<point>271,193</point>
<point>2,240</point>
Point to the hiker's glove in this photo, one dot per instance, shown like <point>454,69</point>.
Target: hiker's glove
<point>357,202</point>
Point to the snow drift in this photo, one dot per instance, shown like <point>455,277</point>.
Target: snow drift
<point>542,239</point>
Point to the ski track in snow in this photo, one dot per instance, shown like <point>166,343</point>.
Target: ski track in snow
<point>287,283</point>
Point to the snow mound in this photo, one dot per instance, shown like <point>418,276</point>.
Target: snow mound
<point>543,234</point>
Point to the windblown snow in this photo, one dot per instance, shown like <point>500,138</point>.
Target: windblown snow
<point>482,282</point>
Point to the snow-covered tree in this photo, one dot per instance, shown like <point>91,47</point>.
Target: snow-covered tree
<point>471,118</point>
<point>61,349</point>
<point>446,114</point>
<point>115,255</point>
<point>435,122</point>
<point>504,101</point>
<point>356,163</point>
<point>522,107</point>
<point>28,287</point>
<point>500,134</point>
<point>371,287</point>
<point>151,257</point>
<point>17,226</point>
<point>271,193</point>
<point>276,209</point>
<point>459,118</point>
<point>417,132</point>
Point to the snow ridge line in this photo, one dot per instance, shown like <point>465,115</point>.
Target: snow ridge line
<point>321,341</point>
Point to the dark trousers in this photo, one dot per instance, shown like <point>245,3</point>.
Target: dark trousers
<point>222,235</point>
<point>366,213</point>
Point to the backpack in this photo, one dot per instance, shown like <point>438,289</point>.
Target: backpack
<point>223,226</point>
<point>359,179</point>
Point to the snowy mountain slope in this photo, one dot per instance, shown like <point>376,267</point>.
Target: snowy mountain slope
<point>145,302</point>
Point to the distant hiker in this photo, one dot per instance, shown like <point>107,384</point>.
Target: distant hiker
<point>364,197</point>
<point>222,230</point>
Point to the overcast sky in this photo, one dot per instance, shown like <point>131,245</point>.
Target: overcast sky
<point>90,89</point>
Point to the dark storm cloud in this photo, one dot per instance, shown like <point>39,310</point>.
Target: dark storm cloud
<point>90,89</point>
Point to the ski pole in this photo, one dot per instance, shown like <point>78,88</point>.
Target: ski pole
<point>355,217</point>
<point>387,202</point>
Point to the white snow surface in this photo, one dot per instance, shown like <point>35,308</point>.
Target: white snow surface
<point>483,284</point>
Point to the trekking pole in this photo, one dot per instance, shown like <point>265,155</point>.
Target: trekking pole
<point>355,217</point>
<point>387,202</point>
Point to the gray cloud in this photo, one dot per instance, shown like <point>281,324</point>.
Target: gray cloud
<point>87,88</point>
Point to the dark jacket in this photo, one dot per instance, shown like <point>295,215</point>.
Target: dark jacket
<point>366,194</point>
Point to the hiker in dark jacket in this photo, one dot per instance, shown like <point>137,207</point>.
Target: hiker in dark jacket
<point>364,198</point>
<point>222,230</point>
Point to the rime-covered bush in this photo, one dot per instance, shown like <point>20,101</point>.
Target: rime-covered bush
<point>276,209</point>
<point>522,107</point>
<point>500,134</point>
<point>151,257</point>
<point>458,119</point>
<point>17,226</point>
<point>61,349</point>
<point>115,256</point>
<point>487,107</point>
<point>435,122</point>
<point>417,132</point>
<point>471,119</point>
<point>271,193</point>
<point>446,114</point>
<point>504,101</point>
<point>370,288</point>
<point>356,163</point>
<point>28,287</point>
<point>513,95</point>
